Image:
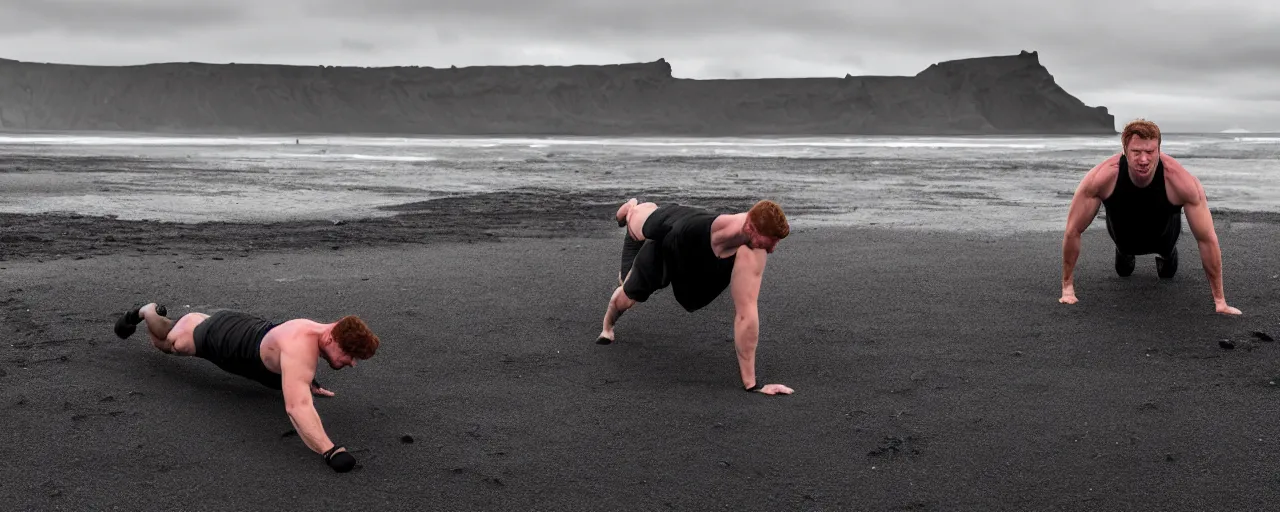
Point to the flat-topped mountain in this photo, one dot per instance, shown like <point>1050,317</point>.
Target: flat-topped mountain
<point>1011,94</point>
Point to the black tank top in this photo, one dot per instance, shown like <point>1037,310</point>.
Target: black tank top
<point>233,340</point>
<point>698,276</point>
<point>1139,214</point>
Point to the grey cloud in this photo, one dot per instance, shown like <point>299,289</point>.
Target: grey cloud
<point>1092,37</point>
<point>911,21</point>
<point>447,36</point>
<point>1250,50</point>
<point>126,18</point>
<point>588,20</point>
<point>1269,94</point>
<point>357,45</point>
<point>1096,37</point>
<point>1167,48</point>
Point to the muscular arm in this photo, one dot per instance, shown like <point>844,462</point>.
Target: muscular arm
<point>297,373</point>
<point>748,271</point>
<point>1200,222</point>
<point>1084,208</point>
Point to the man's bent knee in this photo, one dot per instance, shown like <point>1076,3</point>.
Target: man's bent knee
<point>626,300</point>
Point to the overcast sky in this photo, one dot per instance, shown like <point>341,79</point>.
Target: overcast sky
<point>1181,63</point>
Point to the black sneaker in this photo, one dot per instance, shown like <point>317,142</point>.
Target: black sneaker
<point>1125,264</point>
<point>128,323</point>
<point>1167,266</point>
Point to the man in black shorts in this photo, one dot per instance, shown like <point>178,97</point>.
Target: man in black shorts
<point>699,253</point>
<point>280,356</point>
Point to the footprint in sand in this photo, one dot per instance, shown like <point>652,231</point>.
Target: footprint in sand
<point>493,481</point>
<point>893,446</point>
<point>85,416</point>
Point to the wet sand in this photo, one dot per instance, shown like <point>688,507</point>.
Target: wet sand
<point>933,371</point>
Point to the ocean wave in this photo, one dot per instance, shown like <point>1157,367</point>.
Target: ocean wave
<point>82,140</point>
<point>357,156</point>
<point>894,142</point>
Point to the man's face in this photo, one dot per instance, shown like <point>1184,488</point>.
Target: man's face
<point>1142,155</point>
<point>339,359</point>
<point>759,241</point>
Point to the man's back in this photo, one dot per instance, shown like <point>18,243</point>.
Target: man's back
<point>698,275</point>
<point>296,337</point>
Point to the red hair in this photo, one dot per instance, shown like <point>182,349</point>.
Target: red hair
<point>355,337</point>
<point>1140,128</point>
<point>767,218</point>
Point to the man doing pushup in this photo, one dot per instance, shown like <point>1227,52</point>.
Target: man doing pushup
<point>1145,193</point>
<point>699,253</point>
<point>280,356</point>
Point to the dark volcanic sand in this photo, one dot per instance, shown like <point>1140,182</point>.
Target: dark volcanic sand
<point>530,212</point>
<point>933,371</point>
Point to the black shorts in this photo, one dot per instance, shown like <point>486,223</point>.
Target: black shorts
<point>232,340</point>
<point>630,249</point>
<point>648,270</point>
<point>648,273</point>
<point>665,217</point>
<point>1161,243</point>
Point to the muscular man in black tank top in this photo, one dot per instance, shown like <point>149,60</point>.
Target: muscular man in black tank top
<point>1145,193</point>
<point>699,254</point>
<point>281,356</point>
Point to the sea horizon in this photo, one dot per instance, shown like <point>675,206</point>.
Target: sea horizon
<point>1000,182</point>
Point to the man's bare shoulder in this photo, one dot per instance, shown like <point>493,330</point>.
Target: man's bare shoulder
<point>1183,184</point>
<point>299,335</point>
<point>1172,167</point>
<point>1096,180</point>
<point>1108,168</point>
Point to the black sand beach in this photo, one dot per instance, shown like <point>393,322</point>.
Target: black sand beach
<point>933,371</point>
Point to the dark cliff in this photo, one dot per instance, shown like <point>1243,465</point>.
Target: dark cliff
<point>990,95</point>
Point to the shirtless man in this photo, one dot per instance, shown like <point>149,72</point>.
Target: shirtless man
<point>279,356</point>
<point>699,253</point>
<point>1144,192</point>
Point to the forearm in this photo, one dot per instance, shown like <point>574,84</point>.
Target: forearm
<point>1070,253</point>
<point>307,422</point>
<point>1211,258</point>
<point>746,335</point>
